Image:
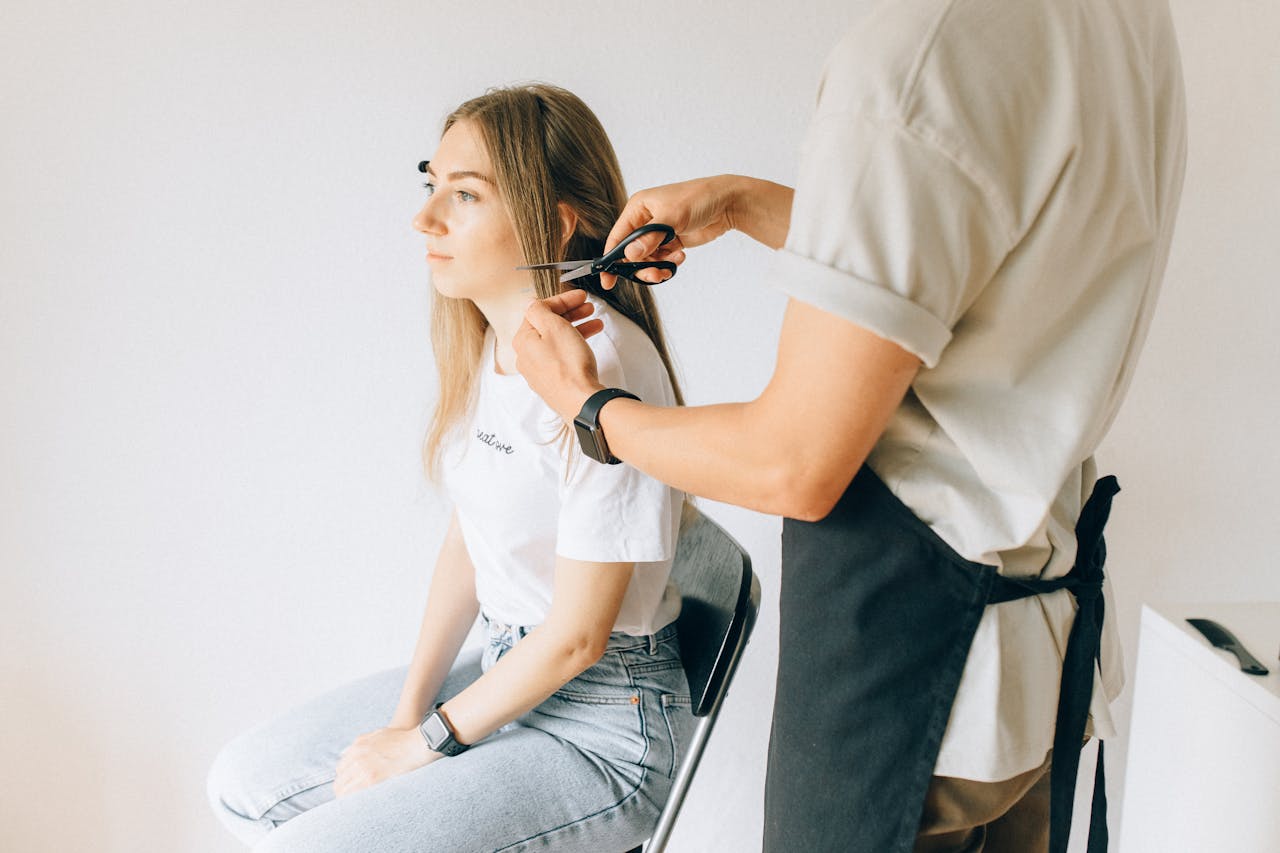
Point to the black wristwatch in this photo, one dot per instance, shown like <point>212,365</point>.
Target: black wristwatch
<point>587,425</point>
<point>439,735</point>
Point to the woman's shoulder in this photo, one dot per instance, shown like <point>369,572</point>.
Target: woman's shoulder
<point>626,358</point>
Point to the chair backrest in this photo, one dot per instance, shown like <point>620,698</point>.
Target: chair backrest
<point>720,598</point>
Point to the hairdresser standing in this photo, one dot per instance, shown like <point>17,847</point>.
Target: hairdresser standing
<point>985,202</point>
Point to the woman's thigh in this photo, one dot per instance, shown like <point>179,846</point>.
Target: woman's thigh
<point>588,770</point>
<point>509,793</point>
<point>286,767</point>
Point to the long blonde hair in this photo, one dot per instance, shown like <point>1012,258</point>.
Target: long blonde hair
<point>546,147</point>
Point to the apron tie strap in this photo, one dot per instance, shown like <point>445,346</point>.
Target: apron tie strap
<point>1083,653</point>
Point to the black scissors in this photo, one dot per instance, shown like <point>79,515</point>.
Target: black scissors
<point>614,263</point>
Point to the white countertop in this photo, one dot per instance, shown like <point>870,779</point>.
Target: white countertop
<point>1256,626</point>
<point>1203,767</point>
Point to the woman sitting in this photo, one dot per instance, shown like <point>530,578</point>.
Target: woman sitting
<point>564,733</point>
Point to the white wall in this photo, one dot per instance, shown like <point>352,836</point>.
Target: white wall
<point>214,370</point>
<point>1194,447</point>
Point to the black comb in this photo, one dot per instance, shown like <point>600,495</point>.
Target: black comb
<point>1224,639</point>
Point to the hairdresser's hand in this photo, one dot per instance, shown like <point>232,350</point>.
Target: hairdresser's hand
<point>701,210</point>
<point>697,209</point>
<point>381,755</point>
<point>553,355</point>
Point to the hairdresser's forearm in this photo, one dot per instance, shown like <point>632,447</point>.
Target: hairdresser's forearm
<point>730,452</point>
<point>760,209</point>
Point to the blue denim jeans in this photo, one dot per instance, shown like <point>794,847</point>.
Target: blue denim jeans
<point>587,770</point>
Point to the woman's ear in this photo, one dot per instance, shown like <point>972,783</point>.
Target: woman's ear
<point>568,224</point>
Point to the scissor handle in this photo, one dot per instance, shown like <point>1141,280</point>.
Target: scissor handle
<point>617,253</point>
<point>628,270</point>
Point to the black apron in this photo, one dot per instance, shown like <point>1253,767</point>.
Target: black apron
<point>877,616</point>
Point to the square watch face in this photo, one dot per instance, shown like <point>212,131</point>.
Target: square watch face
<point>589,441</point>
<point>434,728</point>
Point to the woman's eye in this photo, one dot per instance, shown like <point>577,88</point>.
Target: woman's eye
<point>460,195</point>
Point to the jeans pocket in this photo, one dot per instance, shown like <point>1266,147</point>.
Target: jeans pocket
<point>610,725</point>
<point>677,711</point>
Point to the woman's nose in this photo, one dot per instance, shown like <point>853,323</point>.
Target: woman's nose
<point>426,220</point>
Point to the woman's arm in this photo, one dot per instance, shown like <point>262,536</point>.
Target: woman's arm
<point>450,612</point>
<point>585,603</point>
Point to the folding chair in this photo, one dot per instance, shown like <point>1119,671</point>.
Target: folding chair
<point>720,597</point>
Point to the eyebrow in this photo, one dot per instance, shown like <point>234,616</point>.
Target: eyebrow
<point>454,176</point>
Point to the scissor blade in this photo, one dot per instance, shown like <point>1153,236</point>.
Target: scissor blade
<point>585,269</point>
<point>558,265</point>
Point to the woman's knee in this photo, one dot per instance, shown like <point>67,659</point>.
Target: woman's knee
<point>229,775</point>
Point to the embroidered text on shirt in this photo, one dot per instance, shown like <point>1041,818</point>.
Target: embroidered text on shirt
<point>491,440</point>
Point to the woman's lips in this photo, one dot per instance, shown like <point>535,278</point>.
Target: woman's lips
<point>432,256</point>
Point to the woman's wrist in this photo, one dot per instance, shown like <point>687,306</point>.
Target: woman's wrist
<point>403,724</point>
<point>408,716</point>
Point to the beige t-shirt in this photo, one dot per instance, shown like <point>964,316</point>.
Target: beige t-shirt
<point>991,184</point>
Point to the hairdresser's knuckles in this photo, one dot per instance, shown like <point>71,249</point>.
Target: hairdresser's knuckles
<point>698,210</point>
<point>635,214</point>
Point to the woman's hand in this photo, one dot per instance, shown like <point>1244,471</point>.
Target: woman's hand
<point>381,755</point>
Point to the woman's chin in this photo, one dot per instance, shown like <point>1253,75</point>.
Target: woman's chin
<point>446,287</point>
<point>482,289</point>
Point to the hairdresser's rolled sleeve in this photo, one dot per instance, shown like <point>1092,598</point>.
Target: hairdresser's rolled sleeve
<point>862,302</point>
<point>890,229</point>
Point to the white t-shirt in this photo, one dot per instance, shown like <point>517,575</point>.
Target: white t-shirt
<point>992,185</point>
<point>521,500</point>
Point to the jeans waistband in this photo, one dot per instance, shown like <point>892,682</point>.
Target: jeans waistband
<point>511,634</point>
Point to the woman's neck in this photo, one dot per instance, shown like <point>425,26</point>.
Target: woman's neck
<point>505,315</point>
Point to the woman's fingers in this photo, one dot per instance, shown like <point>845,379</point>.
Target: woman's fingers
<point>349,785</point>
<point>352,773</point>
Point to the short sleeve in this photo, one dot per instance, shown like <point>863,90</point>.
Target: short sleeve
<point>614,513</point>
<point>889,230</point>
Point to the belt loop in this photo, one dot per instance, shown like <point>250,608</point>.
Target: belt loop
<point>653,644</point>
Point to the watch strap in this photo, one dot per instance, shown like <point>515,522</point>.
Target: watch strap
<point>590,412</point>
<point>587,424</point>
